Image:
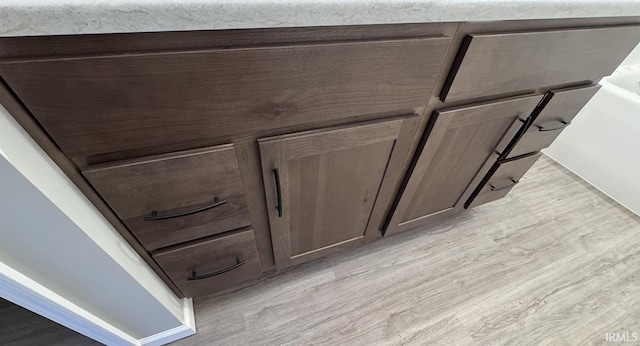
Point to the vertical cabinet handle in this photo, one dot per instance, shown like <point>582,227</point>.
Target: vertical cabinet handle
<point>194,276</point>
<point>564,124</point>
<point>276,175</point>
<point>525,126</point>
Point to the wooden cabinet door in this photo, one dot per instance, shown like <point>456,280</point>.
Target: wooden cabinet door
<point>329,189</point>
<point>461,146</point>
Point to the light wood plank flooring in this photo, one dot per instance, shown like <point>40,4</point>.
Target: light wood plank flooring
<point>555,262</point>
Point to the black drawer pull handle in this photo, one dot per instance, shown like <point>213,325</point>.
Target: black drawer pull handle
<point>154,214</point>
<point>276,174</point>
<point>193,276</point>
<point>493,188</point>
<point>564,124</point>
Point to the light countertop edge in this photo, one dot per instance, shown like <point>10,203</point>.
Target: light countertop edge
<point>62,17</point>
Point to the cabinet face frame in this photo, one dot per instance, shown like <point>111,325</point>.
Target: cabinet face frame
<point>276,152</point>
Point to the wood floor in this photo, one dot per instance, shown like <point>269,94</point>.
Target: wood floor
<point>19,326</point>
<point>555,262</point>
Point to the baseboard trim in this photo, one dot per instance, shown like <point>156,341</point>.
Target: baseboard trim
<point>177,333</point>
<point>21,290</point>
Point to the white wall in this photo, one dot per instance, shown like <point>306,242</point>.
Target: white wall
<point>601,146</point>
<point>602,143</point>
<point>633,58</point>
<point>51,233</point>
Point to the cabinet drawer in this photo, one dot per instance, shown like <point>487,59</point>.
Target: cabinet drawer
<point>169,199</point>
<point>562,107</point>
<point>212,264</point>
<point>502,177</point>
<point>494,64</point>
<point>106,104</point>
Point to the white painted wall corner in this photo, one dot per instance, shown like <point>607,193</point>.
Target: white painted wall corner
<point>177,333</point>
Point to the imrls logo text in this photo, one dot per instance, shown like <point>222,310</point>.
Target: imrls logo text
<point>621,337</point>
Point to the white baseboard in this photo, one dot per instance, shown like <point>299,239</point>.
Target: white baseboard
<point>177,333</point>
<point>23,291</point>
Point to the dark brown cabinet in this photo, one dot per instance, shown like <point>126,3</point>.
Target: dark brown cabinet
<point>224,156</point>
<point>327,189</point>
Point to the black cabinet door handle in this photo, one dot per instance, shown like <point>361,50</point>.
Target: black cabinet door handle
<point>155,217</point>
<point>523,129</point>
<point>513,183</point>
<point>194,276</point>
<point>564,124</point>
<point>276,175</point>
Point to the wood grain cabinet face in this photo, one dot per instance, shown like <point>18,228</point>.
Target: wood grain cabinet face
<point>460,148</point>
<point>501,179</point>
<point>328,189</point>
<point>504,63</point>
<point>556,115</point>
<point>104,104</point>
<point>179,183</point>
<point>233,258</point>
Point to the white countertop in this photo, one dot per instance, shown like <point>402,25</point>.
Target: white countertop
<point>49,17</point>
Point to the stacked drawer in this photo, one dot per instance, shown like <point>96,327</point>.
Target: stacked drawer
<point>177,205</point>
<point>538,131</point>
<point>504,64</point>
<point>502,177</point>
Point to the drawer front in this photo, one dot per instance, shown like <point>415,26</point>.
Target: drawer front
<point>212,264</point>
<point>105,104</point>
<point>501,179</point>
<point>494,64</point>
<point>193,194</point>
<point>562,107</point>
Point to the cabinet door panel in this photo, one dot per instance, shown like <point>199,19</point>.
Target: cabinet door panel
<point>328,189</point>
<point>318,199</point>
<point>460,148</point>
